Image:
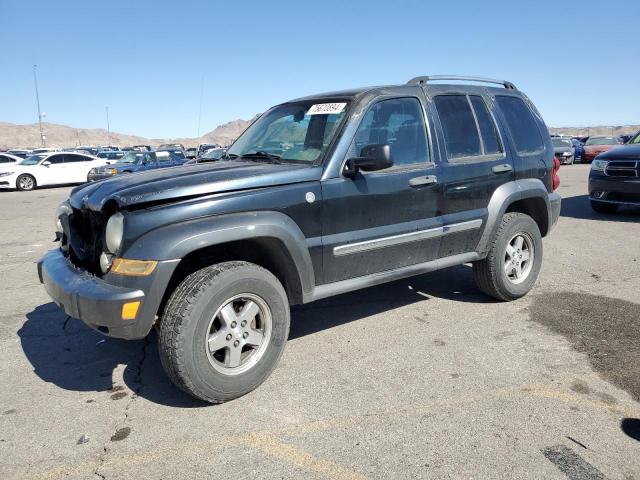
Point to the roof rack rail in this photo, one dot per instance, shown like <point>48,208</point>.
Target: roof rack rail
<point>425,79</point>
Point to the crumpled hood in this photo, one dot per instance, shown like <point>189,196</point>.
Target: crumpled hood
<point>623,152</point>
<point>173,183</point>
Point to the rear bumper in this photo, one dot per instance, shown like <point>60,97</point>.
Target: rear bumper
<point>555,204</point>
<point>98,302</point>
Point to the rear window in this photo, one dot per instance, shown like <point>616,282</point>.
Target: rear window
<point>459,126</point>
<point>521,124</point>
<point>468,127</point>
<point>487,126</point>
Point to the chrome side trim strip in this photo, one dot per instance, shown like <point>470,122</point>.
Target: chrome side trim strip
<point>405,238</point>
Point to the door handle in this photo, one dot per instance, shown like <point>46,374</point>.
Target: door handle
<point>504,168</point>
<point>422,181</point>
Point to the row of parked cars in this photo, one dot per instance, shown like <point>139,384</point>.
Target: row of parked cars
<point>27,169</point>
<point>584,149</point>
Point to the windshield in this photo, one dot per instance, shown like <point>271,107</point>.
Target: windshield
<point>561,142</point>
<point>295,132</point>
<point>635,140</point>
<point>602,141</point>
<point>130,157</point>
<point>32,160</point>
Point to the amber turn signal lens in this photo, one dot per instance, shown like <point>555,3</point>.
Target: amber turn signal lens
<point>134,268</point>
<point>130,310</point>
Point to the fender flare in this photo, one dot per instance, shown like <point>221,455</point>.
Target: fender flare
<point>175,241</point>
<point>503,197</point>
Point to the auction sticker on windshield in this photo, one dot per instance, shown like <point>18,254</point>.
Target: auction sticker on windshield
<point>326,108</point>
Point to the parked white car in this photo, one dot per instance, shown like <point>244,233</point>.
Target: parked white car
<point>6,159</point>
<point>56,168</point>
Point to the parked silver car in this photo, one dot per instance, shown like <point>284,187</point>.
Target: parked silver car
<point>563,149</point>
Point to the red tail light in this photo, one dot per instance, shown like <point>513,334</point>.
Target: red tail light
<point>555,179</point>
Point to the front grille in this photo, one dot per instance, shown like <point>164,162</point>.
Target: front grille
<point>85,239</point>
<point>623,169</point>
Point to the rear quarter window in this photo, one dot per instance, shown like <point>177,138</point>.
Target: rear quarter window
<point>521,124</point>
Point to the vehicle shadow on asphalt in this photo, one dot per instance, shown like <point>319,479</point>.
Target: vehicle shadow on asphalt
<point>70,355</point>
<point>580,208</point>
<point>65,352</point>
<point>631,427</point>
<point>455,283</point>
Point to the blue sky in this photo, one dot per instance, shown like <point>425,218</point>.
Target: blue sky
<point>146,59</point>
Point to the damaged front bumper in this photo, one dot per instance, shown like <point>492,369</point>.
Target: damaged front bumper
<point>99,302</point>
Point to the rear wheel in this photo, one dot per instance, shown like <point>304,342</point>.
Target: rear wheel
<point>602,207</point>
<point>513,263</point>
<point>25,182</point>
<point>224,330</point>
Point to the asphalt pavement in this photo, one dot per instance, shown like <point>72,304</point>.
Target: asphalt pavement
<point>420,378</point>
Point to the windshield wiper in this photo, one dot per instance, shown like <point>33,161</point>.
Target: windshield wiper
<point>229,156</point>
<point>262,155</point>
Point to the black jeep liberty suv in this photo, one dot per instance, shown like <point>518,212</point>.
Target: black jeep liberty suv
<point>319,196</point>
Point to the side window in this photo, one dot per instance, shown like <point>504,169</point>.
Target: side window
<point>4,159</point>
<point>459,126</point>
<point>72,158</point>
<point>487,126</point>
<point>400,124</point>
<point>522,125</point>
<point>56,159</point>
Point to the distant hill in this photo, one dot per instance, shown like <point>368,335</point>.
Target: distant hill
<point>593,131</point>
<point>28,136</point>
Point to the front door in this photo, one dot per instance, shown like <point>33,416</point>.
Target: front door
<point>386,219</point>
<point>54,172</point>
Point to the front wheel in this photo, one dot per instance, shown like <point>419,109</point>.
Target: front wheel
<point>224,330</point>
<point>514,260</point>
<point>25,183</point>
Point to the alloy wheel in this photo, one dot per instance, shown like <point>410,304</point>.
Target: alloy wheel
<point>518,258</point>
<point>238,334</point>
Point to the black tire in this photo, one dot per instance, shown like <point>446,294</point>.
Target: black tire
<point>186,322</point>
<point>601,207</point>
<point>26,182</point>
<point>490,274</point>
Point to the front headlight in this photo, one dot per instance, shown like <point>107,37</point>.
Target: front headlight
<point>566,154</point>
<point>63,209</point>
<point>114,232</point>
<point>599,165</point>
<point>6,174</point>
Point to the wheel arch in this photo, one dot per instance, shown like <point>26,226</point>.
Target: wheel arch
<point>269,239</point>
<point>528,196</point>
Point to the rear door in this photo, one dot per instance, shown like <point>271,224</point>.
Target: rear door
<point>76,167</point>
<point>474,164</point>
<point>386,219</point>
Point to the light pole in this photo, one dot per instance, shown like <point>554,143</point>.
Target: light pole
<point>35,81</point>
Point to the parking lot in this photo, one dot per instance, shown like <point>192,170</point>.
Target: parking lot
<point>424,377</point>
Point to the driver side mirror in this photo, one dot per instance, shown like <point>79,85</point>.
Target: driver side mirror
<point>372,158</point>
<point>46,163</point>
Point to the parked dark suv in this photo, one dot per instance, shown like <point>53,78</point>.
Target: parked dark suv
<point>319,196</point>
<point>614,179</point>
